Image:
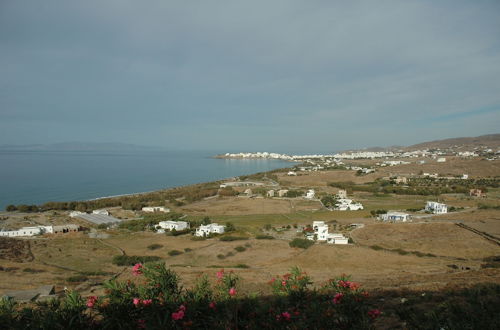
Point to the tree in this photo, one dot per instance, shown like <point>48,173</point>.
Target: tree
<point>230,227</point>
<point>11,208</point>
<point>206,221</point>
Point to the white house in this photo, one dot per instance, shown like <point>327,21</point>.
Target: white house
<point>310,194</point>
<point>25,231</point>
<point>395,216</point>
<point>101,212</point>
<point>282,192</point>
<point>321,233</point>
<point>291,173</point>
<point>441,160</point>
<point>270,193</point>
<point>152,209</point>
<point>435,207</point>
<point>171,225</point>
<point>337,239</point>
<point>346,204</point>
<point>205,230</point>
<point>342,193</point>
<point>465,176</point>
<point>321,230</point>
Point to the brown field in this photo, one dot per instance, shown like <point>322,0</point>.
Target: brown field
<point>244,205</point>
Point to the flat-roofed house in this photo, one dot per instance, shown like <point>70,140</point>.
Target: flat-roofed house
<point>171,225</point>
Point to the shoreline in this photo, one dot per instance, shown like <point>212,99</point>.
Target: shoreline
<point>110,197</point>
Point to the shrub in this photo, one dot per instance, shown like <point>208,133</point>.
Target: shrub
<point>155,246</point>
<point>301,243</point>
<point>132,260</point>
<point>174,252</point>
<point>240,248</point>
<point>232,238</point>
<point>77,278</point>
<point>262,236</point>
<point>188,250</point>
<point>221,256</point>
<point>33,271</point>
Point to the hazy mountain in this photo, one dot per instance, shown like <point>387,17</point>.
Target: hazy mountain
<point>78,146</point>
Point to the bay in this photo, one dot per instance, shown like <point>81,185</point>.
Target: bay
<point>36,177</point>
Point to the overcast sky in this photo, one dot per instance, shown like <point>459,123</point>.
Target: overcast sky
<point>279,76</point>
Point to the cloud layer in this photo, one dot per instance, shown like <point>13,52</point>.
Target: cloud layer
<point>259,75</point>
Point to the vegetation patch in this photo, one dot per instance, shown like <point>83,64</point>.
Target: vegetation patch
<point>132,260</point>
<point>232,238</point>
<point>262,236</point>
<point>77,278</point>
<point>240,248</point>
<point>174,252</point>
<point>301,243</point>
<point>154,246</point>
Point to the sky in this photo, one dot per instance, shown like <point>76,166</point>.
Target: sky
<point>281,76</point>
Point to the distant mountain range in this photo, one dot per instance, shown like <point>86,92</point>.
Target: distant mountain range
<point>77,146</point>
<point>490,140</point>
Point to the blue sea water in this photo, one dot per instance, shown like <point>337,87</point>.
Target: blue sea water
<point>36,177</point>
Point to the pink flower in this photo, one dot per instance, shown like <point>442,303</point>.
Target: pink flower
<point>136,270</point>
<point>182,308</point>
<point>147,302</point>
<point>232,292</point>
<point>212,305</point>
<point>136,301</point>
<point>179,315</point>
<point>286,316</point>
<point>283,283</point>
<point>141,324</point>
<point>338,298</point>
<point>220,274</point>
<point>374,313</point>
<point>91,301</point>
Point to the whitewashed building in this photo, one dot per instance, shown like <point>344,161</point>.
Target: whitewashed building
<point>441,160</point>
<point>320,230</point>
<point>310,194</point>
<point>291,173</point>
<point>282,192</point>
<point>270,193</point>
<point>395,216</point>
<point>152,209</point>
<point>213,228</point>
<point>436,208</point>
<point>101,212</point>
<point>337,239</point>
<point>346,204</point>
<point>342,193</point>
<point>23,232</point>
<point>171,225</point>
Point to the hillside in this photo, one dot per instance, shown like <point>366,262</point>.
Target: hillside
<point>490,140</point>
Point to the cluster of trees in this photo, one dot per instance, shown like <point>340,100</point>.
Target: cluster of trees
<point>329,200</point>
<point>131,202</point>
<point>424,187</point>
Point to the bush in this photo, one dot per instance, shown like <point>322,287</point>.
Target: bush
<point>221,256</point>
<point>240,248</point>
<point>262,236</point>
<point>33,271</point>
<point>232,238</point>
<point>132,260</point>
<point>174,252</point>
<point>301,243</point>
<point>188,250</point>
<point>77,278</point>
<point>155,246</point>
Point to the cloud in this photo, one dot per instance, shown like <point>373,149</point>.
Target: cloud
<point>318,70</point>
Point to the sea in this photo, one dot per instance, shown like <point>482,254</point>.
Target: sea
<point>36,177</point>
